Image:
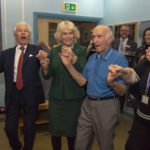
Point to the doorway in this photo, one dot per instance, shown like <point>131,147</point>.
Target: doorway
<point>47,29</point>
<point>85,31</point>
<point>55,18</point>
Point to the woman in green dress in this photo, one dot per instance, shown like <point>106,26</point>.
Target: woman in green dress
<point>65,95</point>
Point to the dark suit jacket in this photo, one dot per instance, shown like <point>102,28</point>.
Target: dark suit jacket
<point>32,87</point>
<point>131,45</point>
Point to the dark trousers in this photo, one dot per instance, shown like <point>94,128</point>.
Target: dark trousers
<point>139,136</point>
<point>122,100</point>
<point>29,117</point>
<point>56,142</point>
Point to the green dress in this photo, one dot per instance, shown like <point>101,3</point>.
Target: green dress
<point>65,94</point>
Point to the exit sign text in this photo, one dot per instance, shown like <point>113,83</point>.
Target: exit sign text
<point>70,7</point>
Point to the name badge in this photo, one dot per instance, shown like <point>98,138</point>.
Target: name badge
<point>145,99</point>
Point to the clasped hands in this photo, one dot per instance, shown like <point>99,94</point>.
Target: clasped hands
<point>66,52</point>
<point>114,72</point>
<point>44,61</point>
<point>127,74</point>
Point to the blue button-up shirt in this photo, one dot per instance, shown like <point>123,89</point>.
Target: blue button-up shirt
<point>96,71</point>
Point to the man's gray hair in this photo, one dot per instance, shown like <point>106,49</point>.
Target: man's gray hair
<point>21,23</point>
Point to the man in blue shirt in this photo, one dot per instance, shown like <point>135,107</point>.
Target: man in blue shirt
<point>100,110</point>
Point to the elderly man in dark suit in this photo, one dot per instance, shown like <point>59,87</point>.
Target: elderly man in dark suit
<point>126,46</point>
<point>24,91</point>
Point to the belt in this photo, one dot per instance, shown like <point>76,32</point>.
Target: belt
<point>100,98</point>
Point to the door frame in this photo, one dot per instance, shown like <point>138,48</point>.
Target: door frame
<point>37,15</point>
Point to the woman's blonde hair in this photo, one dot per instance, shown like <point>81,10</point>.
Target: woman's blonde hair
<point>66,25</point>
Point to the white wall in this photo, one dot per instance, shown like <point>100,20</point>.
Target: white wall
<point>16,10</point>
<point>124,11</point>
<point>120,11</point>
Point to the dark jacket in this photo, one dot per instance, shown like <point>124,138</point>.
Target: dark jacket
<point>63,85</point>
<point>32,88</point>
<point>130,47</point>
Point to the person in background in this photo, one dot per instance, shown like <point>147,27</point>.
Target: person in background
<point>45,83</point>
<point>44,46</point>
<point>141,52</point>
<point>100,111</point>
<point>139,136</point>
<point>91,47</point>
<point>24,90</point>
<point>65,94</point>
<point>126,46</point>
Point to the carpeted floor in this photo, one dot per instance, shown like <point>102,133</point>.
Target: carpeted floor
<point>42,140</point>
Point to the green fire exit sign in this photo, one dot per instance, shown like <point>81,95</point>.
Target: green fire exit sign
<point>70,7</point>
